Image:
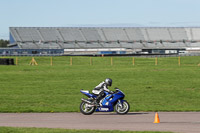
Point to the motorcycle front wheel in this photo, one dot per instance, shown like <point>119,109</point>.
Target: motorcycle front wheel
<point>122,109</point>
<point>86,108</point>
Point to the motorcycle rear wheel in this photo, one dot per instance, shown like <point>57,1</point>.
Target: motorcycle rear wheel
<point>86,110</point>
<point>122,110</point>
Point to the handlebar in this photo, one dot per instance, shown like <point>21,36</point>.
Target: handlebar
<point>113,92</point>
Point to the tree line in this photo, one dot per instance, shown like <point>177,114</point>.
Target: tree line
<point>4,43</point>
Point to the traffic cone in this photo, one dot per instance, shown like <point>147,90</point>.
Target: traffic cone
<point>157,120</point>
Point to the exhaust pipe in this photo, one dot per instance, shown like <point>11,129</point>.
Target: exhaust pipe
<point>84,100</point>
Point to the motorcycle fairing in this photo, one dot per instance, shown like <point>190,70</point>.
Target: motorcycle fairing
<point>108,102</point>
<point>105,109</point>
<point>88,94</point>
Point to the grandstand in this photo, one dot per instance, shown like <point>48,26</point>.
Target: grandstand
<point>98,40</point>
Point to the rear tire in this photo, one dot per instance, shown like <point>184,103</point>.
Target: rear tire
<point>123,110</point>
<point>86,110</point>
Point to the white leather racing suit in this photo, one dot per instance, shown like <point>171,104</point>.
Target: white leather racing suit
<point>99,90</point>
<point>101,87</point>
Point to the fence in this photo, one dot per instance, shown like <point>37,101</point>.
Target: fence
<point>108,61</point>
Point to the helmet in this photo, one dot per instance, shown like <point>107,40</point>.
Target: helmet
<point>108,82</point>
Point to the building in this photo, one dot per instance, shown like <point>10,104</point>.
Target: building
<point>105,40</point>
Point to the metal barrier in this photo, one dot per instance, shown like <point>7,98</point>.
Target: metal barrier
<point>7,61</point>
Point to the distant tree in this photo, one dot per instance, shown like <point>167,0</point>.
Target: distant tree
<point>4,43</point>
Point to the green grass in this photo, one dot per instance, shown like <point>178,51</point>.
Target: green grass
<point>45,88</point>
<point>48,130</point>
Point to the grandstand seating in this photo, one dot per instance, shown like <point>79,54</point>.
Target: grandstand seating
<point>189,33</point>
<point>114,34</point>
<point>101,34</point>
<point>71,34</point>
<point>156,34</point>
<point>90,45</point>
<point>134,34</point>
<point>178,34</point>
<point>69,45</point>
<point>132,45</point>
<point>195,34</point>
<point>177,45</point>
<point>15,35</point>
<point>194,45</point>
<point>28,34</point>
<point>145,34</point>
<point>111,45</point>
<point>50,34</point>
<point>156,45</point>
<point>92,37</point>
<point>28,45</point>
<point>91,34</point>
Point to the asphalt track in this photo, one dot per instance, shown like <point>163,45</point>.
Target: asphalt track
<point>180,122</point>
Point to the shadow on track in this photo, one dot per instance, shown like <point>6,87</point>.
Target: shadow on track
<point>131,113</point>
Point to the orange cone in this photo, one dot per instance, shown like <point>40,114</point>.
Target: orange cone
<point>157,120</point>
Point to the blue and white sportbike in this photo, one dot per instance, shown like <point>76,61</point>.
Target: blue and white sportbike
<point>107,104</point>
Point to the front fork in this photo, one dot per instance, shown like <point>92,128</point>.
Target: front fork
<point>120,103</point>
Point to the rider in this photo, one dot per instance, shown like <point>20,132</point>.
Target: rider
<point>99,90</point>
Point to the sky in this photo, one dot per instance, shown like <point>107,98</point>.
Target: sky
<point>99,13</point>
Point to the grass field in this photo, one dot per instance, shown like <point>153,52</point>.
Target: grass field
<point>46,88</point>
<point>48,130</point>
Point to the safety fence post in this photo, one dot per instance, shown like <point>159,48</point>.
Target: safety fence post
<point>51,61</point>
<point>156,61</point>
<point>16,61</point>
<point>70,61</point>
<point>90,61</point>
<point>179,61</point>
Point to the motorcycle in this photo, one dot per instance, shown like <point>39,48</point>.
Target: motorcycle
<point>107,104</point>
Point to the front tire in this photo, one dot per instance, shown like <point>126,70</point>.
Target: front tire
<point>85,109</point>
<point>122,110</point>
